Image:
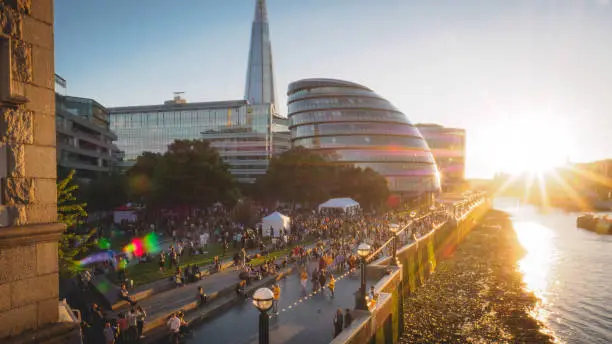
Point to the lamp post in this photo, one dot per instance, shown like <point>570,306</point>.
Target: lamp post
<point>394,228</point>
<point>363,250</point>
<point>262,299</point>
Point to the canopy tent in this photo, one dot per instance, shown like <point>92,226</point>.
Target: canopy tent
<point>277,221</point>
<point>347,205</point>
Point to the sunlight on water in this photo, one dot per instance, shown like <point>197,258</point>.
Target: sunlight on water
<point>536,265</point>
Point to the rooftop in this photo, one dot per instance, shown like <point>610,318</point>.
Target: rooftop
<point>178,106</point>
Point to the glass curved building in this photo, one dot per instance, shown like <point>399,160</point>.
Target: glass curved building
<point>360,127</point>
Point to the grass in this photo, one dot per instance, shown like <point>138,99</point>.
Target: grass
<point>146,273</point>
<point>149,272</point>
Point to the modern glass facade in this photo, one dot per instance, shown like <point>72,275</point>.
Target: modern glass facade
<point>448,148</point>
<point>360,127</point>
<point>153,128</point>
<point>241,133</point>
<point>259,87</point>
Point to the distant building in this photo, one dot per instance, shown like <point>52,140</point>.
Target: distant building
<point>242,133</point>
<point>247,133</point>
<point>448,148</point>
<point>84,140</point>
<point>259,87</point>
<point>360,127</point>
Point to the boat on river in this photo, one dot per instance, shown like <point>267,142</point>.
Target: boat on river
<point>597,224</point>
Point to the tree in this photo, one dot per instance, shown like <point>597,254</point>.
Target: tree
<point>297,176</point>
<point>140,176</point>
<point>70,211</point>
<point>300,175</point>
<point>106,192</point>
<point>191,173</point>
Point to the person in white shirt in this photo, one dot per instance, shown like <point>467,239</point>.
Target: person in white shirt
<point>204,240</point>
<point>174,326</point>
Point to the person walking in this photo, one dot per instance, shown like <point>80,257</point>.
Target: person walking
<point>132,331</point>
<point>140,318</point>
<point>338,322</point>
<point>276,290</point>
<point>304,281</point>
<point>332,285</point>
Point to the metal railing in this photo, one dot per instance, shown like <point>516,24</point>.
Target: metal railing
<point>474,201</point>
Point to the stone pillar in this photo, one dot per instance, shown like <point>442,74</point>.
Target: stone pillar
<point>28,222</point>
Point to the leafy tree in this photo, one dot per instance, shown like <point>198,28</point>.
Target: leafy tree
<point>106,192</point>
<point>191,173</point>
<point>70,212</point>
<point>140,176</point>
<point>300,175</point>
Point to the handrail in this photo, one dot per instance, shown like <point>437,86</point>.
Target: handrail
<point>408,225</point>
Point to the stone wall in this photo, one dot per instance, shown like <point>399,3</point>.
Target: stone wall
<point>28,210</point>
<point>415,263</point>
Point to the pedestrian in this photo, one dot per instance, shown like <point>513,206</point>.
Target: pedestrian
<point>140,318</point>
<point>162,261</point>
<point>276,291</point>
<point>202,297</point>
<point>174,328</point>
<point>332,285</point>
<point>109,334</point>
<point>348,318</point>
<point>304,280</point>
<point>338,322</point>
<point>132,332</point>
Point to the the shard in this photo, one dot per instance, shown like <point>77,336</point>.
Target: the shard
<point>260,72</point>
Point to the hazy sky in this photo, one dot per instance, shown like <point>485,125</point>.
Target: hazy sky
<point>530,81</point>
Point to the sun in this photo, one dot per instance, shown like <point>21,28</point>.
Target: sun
<point>530,143</point>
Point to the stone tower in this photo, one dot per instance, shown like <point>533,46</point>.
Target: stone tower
<point>260,72</point>
<point>29,230</point>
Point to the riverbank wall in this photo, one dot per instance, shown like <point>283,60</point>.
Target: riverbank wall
<point>415,263</point>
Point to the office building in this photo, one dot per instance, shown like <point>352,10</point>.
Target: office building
<point>260,70</point>
<point>448,148</point>
<point>242,133</point>
<point>84,141</point>
<point>360,127</point>
<point>247,133</point>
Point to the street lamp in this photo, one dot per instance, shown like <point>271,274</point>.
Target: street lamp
<point>394,228</point>
<point>262,299</point>
<point>363,250</point>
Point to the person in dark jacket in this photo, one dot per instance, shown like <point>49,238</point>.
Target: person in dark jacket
<point>348,318</point>
<point>338,322</point>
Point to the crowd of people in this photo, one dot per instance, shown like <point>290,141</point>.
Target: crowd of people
<point>337,236</point>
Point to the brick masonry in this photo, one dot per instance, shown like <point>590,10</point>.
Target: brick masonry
<point>28,210</point>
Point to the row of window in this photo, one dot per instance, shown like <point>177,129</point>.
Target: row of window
<point>354,128</point>
<point>384,155</point>
<point>213,119</point>
<point>400,169</point>
<point>413,184</point>
<point>348,116</point>
<point>392,142</point>
<point>339,102</point>
<point>305,93</point>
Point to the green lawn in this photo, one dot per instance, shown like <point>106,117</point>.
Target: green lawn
<point>149,272</point>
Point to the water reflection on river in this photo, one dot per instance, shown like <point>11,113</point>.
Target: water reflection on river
<point>568,269</point>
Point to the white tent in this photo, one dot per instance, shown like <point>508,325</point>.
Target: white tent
<point>347,205</point>
<point>277,221</point>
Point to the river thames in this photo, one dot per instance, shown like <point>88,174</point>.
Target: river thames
<point>568,269</point>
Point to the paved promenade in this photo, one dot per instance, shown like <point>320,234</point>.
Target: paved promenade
<point>300,319</point>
